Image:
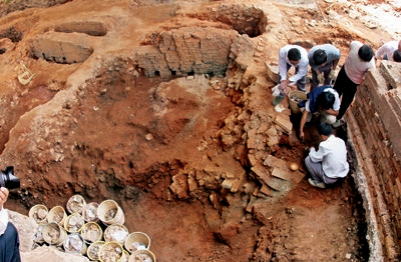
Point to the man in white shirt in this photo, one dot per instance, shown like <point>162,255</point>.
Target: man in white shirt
<point>9,240</point>
<point>389,51</point>
<point>329,162</point>
<point>292,56</point>
<point>359,61</point>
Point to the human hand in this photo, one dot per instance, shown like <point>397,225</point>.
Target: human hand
<point>331,74</point>
<point>301,135</point>
<point>284,82</point>
<point>283,86</point>
<point>3,196</point>
<point>320,78</point>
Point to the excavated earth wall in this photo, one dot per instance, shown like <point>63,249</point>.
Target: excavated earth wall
<point>374,124</point>
<point>168,111</point>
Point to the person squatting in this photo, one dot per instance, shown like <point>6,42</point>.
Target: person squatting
<point>328,163</point>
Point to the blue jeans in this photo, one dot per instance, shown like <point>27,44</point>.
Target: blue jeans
<point>9,245</point>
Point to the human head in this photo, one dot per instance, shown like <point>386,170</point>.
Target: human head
<point>320,57</point>
<point>294,55</point>
<point>325,129</point>
<point>365,53</point>
<point>325,100</point>
<point>397,56</point>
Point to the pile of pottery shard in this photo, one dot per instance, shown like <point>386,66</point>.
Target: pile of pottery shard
<point>93,230</point>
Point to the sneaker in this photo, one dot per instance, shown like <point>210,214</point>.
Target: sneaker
<point>337,124</point>
<point>319,185</point>
<point>277,100</point>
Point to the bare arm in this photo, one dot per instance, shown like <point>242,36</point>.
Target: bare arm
<point>302,124</point>
<point>335,63</point>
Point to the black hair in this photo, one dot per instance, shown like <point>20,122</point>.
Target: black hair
<point>325,129</point>
<point>365,53</point>
<point>294,54</point>
<point>325,100</point>
<point>320,57</point>
<point>397,56</point>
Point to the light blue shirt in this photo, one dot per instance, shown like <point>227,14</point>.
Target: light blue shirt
<point>332,54</point>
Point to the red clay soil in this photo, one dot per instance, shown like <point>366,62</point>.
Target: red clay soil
<point>129,136</point>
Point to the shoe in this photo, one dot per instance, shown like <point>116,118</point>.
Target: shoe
<point>337,124</point>
<point>319,185</point>
<point>277,100</point>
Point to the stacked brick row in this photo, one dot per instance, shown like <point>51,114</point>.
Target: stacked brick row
<point>375,124</point>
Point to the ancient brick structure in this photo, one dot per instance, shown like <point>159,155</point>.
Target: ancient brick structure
<point>374,128</point>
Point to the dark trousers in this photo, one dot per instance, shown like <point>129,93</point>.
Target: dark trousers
<point>9,245</point>
<point>316,172</point>
<point>345,87</point>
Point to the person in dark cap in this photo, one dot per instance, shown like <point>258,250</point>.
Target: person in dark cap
<point>329,163</point>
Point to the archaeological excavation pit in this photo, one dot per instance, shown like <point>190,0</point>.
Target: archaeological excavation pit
<point>180,130</point>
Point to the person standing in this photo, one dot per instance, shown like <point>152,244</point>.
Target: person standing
<point>9,239</point>
<point>389,51</point>
<point>329,163</point>
<point>359,61</point>
<point>323,60</point>
<point>291,56</point>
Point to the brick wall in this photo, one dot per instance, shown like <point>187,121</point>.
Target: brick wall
<point>374,123</point>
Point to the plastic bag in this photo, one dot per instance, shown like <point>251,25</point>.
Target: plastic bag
<point>276,90</point>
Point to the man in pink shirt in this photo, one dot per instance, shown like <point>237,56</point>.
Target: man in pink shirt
<point>359,61</point>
